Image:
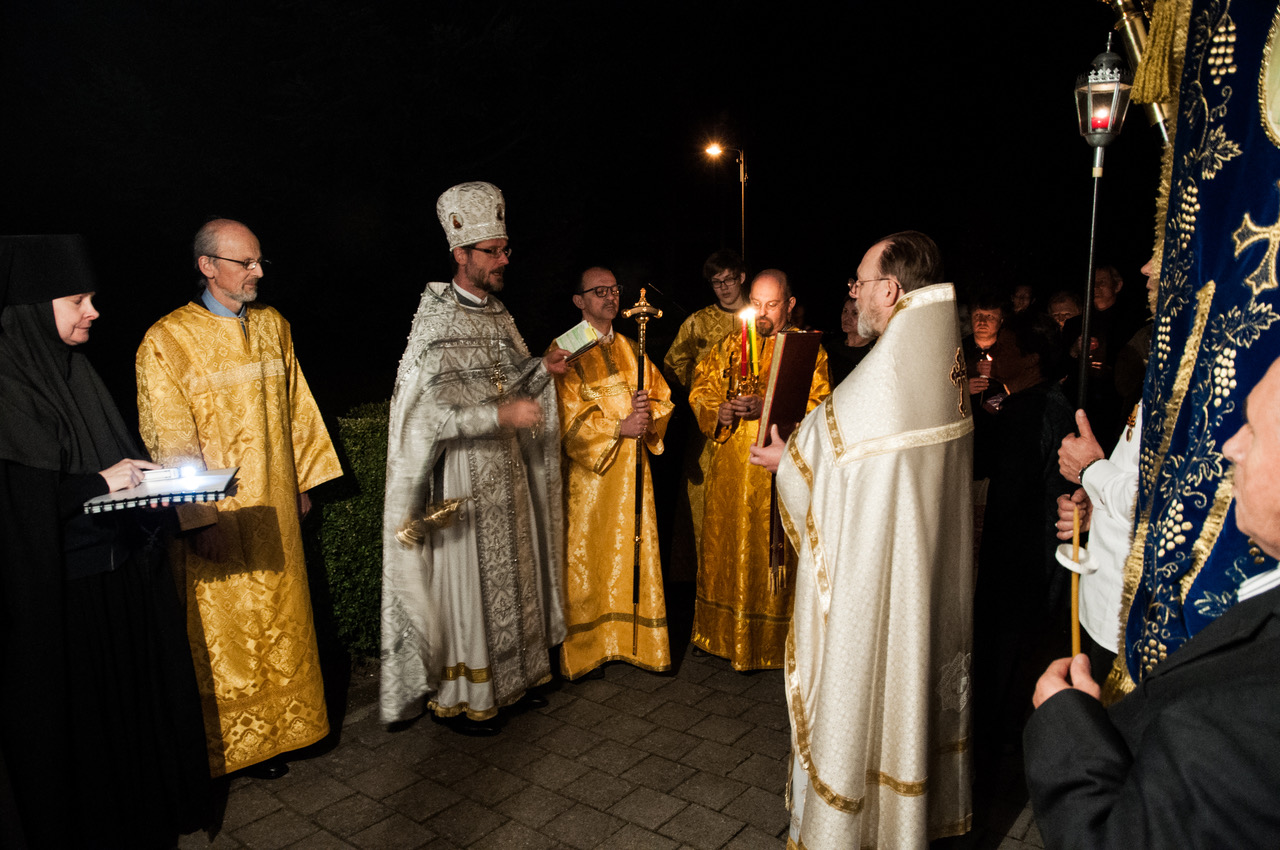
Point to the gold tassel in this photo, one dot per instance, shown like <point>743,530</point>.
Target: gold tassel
<point>1152,81</point>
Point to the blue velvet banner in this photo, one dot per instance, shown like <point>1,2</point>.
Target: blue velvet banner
<point>1217,329</point>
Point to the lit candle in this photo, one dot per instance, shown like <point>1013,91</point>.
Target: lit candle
<point>744,357</point>
<point>1101,120</point>
<point>749,318</point>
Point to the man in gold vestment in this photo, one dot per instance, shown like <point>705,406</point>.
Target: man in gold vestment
<point>874,491</point>
<point>602,421</point>
<point>737,614</point>
<point>219,386</point>
<point>727,275</point>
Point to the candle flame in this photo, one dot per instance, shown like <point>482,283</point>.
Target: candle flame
<point>747,314</point>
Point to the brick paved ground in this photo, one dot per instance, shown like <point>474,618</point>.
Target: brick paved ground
<point>636,760</point>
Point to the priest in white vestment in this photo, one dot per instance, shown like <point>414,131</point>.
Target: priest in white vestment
<point>874,494</point>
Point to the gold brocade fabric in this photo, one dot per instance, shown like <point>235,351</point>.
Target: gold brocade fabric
<point>736,614</point>
<point>600,469</point>
<point>696,337</point>
<point>221,392</point>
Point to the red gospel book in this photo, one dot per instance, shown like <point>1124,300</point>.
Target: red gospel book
<point>795,355</point>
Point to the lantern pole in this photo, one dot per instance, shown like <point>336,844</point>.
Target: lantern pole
<point>1102,98</point>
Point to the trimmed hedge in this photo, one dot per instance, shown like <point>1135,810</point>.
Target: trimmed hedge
<point>350,532</point>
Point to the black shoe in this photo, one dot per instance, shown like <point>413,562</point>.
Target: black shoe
<point>597,673</point>
<point>464,725</point>
<point>269,769</point>
<point>532,700</point>
<point>699,652</point>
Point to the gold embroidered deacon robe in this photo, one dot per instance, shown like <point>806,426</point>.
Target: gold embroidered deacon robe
<point>600,470</point>
<point>736,614</point>
<point>219,392</point>
<point>874,489</point>
<point>697,335</point>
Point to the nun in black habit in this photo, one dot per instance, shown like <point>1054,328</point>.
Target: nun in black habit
<point>101,738</point>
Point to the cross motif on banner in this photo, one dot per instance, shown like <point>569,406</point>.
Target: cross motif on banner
<point>957,377</point>
<point>1264,276</point>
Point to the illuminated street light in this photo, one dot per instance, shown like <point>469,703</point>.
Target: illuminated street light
<point>715,150</point>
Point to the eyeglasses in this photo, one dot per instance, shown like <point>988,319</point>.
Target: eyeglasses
<point>724,282</point>
<point>493,252</point>
<point>249,265</point>
<point>603,291</point>
<point>856,285</point>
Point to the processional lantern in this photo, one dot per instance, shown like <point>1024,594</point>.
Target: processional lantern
<point>1102,99</point>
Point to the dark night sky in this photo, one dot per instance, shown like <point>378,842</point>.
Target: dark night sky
<point>331,126</point>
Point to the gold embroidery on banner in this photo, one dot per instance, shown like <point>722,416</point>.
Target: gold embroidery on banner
<point>240,375</point>
<point>1264,276</point>
<point>833,427</point>
<point>906,440</point>
<point>1209,532</point>
<point>1269,85</point>
<point>617,617</point>
<point>462,671</point>
<point>1119,682</point>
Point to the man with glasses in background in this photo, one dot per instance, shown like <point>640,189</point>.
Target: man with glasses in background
<point>875,489</point>
<point>473,529</point>
<point>604,421</point>
<point>727,274</point>
<point>219,387</point>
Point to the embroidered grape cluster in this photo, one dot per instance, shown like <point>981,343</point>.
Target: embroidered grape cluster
<point>1164,334</point>
<point>1222,52</point>
<point>1188,210</point>
<point>1224,375</point>
<point>1151,650</point>
<point>1173,531</point>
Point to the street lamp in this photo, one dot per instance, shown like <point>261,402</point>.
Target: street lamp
<point>715,150</point>
<point>1102,98</point>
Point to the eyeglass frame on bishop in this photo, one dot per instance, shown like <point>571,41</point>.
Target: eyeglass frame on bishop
<point>504,251</point>
<point>249,265</point>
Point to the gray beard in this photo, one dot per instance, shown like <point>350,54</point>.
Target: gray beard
<point>865,330</point>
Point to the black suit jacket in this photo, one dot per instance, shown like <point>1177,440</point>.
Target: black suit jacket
<point>1190,759</point>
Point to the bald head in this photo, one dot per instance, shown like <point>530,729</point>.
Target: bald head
<point>230,262</point>
<point>771,298</point>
